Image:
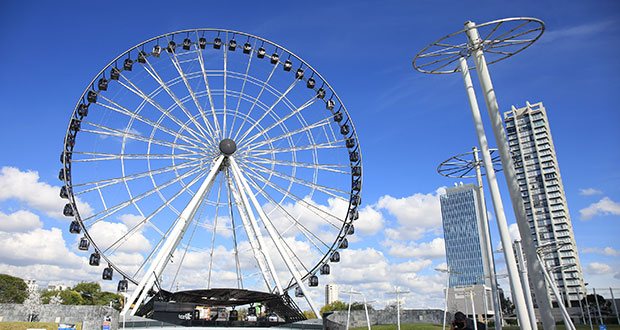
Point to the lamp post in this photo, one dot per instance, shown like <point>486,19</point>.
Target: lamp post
<point>447,271</point>
<point>351,293</point>
<point>500,39</point>
<point>397,293</point>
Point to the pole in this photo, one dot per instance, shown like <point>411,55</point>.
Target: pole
<point>598,307</point>
<point>500,216</point>
<point>526,283</point>
<point>445,309</point>
<point>588,309</point>
<point>583,314</point>
<point>613,300</point>
<point>534,270</point>
<point>398,308</point>
<point>473,308</point>
<point>366,310</point>
<point>349,311</point>
<point>554,288</point>
<point>497,309</point>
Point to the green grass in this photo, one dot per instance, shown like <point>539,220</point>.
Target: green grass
<point>32,325</point>
<point>427,326</point>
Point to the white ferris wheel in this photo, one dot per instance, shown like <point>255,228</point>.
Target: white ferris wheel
<point>211,158</point>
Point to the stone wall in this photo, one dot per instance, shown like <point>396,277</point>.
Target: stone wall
<point>338,320</point>
<point>91,317</point>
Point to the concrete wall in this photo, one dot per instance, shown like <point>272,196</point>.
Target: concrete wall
<point>91,317</point>
<point>338,320</point>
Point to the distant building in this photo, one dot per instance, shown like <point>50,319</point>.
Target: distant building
<point>32,284</point>
<point>465,252</point>
<point>57,287</point>
<point>331,293</point>
<point>538,174</point>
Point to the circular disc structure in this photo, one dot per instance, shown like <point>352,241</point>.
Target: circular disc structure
<point>215,158</point>
<point>461,166</point>
<point>499,40</point>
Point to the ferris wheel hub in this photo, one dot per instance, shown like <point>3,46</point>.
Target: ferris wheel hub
<point>228,147</point>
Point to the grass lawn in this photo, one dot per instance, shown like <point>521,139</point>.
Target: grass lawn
<point>427,326</point>
<point>32,325</point>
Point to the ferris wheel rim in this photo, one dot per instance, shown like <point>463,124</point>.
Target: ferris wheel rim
<point>67,164</point>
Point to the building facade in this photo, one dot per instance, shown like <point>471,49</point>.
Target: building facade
<point>462,222</point>
<point>331,293</point>
<point>538,174</point>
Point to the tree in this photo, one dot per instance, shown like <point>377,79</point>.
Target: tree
<point>309,315</point>
<point>70,297</point>
<point>507,306</point>
<point>335,306</point>
<point>356,306</point>
<point>46,296</point>
<point>13,290</point>
<point>32,304</point>
<point>92,295</point>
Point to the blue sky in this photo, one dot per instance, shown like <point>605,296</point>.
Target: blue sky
<point>407,122</point>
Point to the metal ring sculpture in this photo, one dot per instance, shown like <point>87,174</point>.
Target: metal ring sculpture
<point>262,131</point>
<point>460,166</point>
<point>500,39</point>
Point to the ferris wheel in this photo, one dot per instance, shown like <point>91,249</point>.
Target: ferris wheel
<point>211,158</point>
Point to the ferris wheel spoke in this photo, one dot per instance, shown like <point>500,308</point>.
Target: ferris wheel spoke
<point>112,210</point>
<point>452,60</point>
<point>209,94</point>
<point>175,61</point>
<point>225,87</point>
<point>265,84</point>
<point>318,124</point>
<point>115,156</point>
<point>327,190</point>
<point>313,208</point>
<point>497,52</point>
<point>506,43</point>
<point>217,209</point>
<point>336,144</point>
<point>124,111</point>
<point>294,223</point>
<point>268,111</point>
<point>455,56</point>
<point>147,220</point>
<point>107,131</point>
<point>136,90</point>
<point>108,182</point>
<point>490,33</point>
<point>280,121</point>
<point>241,93</point>
<point>440,52</point>
<point>324,167</point>
<point>153,73</point>
<point>502,42</point>
<point>233,229</point>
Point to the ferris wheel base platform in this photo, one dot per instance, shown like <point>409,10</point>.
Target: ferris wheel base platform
<point>183,308</point>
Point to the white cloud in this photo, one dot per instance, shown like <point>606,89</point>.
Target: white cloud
<point>597,268</point>
<point>412,266</point>
<point>603,207</point>
<point>26,187</point>
<point>415,214</point>
<point>370,222</point>
<point>39,246</point>
<point>573,32</point>
<point>434,249</point>
<point>513,229</point>
<point>589,192</point>
<point>20,221</point>
<point>608,251</point>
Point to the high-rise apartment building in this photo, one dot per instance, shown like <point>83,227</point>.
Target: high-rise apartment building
<point>537,171</point>
<point>331,293</point>
<point>465,252</point>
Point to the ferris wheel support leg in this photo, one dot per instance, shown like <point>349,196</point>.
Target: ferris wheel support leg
<point>171,242</point>
<point>511,263</point>
<point>534,269</point>
<point>274,236</point>
<point>255,237</point>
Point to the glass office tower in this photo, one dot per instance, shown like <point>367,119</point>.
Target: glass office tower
<point>466,259</point>
<point>537,171</point>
